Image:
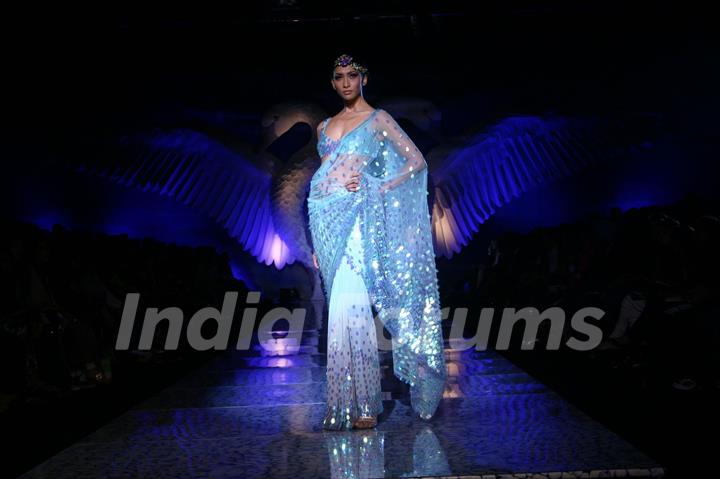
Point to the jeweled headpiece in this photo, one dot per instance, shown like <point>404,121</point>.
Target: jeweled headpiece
<point>346,60</point>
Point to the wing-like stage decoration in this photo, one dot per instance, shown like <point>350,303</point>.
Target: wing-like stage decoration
<point>259,196</point>
<point>291,178</point>
<point>488,170</point>
<point>289,194</point>
<point>256,197</point>
<point>200,172</point>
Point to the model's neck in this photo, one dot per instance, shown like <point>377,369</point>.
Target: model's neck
<point>358,104</point>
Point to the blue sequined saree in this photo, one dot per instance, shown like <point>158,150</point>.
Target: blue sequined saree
<point>374,247</point>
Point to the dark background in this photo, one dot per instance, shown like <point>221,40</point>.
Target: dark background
<point>74,75</point>
<point>72,67</point>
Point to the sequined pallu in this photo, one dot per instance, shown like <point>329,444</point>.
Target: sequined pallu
<point>374,247</point>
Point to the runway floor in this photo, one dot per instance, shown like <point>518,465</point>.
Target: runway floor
<point>258,416</point>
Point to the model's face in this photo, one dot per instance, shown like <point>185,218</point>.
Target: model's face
<point>348,82</point>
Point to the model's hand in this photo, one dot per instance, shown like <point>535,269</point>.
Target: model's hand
<point>353,184</point>
<point>315,261</point>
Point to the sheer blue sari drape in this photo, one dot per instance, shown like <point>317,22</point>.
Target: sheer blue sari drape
<point>398,258</point>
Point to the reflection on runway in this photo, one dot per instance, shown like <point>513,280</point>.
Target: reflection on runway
<point>257,414</point>
<point>361,454</point>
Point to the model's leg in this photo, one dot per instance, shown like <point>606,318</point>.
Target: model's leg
<point>353,371</point>
<point>364,354</point>
<point>340,392</point>
<point>362,340</point>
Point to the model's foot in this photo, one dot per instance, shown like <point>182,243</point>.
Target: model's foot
<point>365,422</point>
